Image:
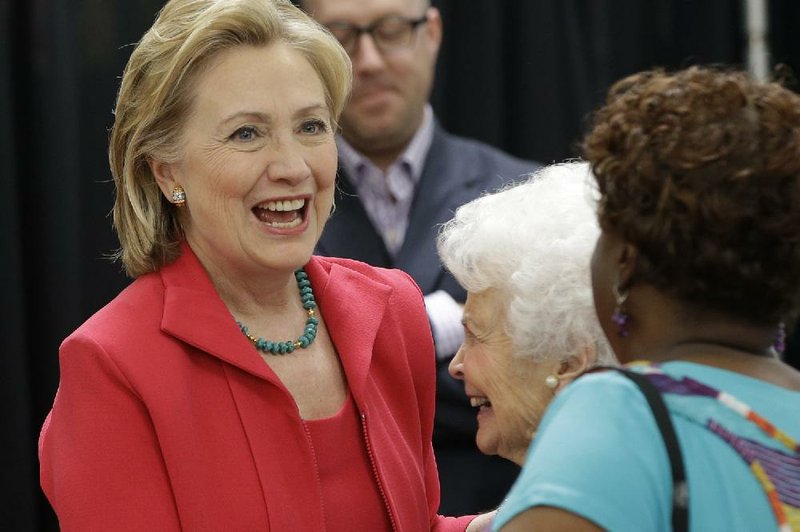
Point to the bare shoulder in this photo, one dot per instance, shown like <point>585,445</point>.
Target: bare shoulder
<point>787,377</point>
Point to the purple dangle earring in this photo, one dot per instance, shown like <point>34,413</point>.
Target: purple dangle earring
<point>620,317</point>
<point>780,339</point>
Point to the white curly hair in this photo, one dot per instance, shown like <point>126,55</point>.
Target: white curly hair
<point>533,242</point>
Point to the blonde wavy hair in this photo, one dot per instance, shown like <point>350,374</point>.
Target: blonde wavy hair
<point>155,98</point>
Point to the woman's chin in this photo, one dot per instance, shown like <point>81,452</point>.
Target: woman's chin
<point>487,443</point>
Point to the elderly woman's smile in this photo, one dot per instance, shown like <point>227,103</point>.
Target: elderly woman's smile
<point>496,382</point>
<point>529,321</point>
<point>482,402</point>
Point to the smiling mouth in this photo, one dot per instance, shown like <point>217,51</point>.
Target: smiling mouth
<point>480,402</point>
<point>281,214</point>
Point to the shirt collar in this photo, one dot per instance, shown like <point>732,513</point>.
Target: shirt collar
<point>413,156</point>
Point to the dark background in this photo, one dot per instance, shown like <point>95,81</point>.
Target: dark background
<point>521,75</point>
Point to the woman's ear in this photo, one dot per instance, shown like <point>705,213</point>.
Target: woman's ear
<point>433,28</point>
<point>164,176</point>
<point>575,365</point>
<point>626,264</point>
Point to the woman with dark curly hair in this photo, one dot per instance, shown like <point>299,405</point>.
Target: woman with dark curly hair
<point>696,270</point>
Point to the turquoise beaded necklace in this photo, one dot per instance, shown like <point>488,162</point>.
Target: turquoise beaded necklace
<point>310,332</point>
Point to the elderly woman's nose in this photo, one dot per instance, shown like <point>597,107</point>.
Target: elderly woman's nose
<point>456,367</point>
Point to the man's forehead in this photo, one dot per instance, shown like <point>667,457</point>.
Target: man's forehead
<point>361,10</point>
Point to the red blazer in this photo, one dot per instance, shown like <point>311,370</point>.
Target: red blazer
<point>166,418</point>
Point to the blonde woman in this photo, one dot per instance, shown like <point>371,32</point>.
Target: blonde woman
<point>231,386</point>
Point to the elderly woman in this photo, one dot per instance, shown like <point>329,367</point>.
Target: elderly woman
<point>530,328</point>
<point>697,266</point>
<point>231,387</point>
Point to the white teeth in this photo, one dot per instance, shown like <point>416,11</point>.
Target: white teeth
<point>479,401</point>
<point>285,205</point>
<point>284,225</point>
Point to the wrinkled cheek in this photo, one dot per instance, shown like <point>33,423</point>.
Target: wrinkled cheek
<point>209,216</point>
<point>524,421</point>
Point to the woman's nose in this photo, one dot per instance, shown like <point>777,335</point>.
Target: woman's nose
<point>456,367</point>
<point>287,163</point>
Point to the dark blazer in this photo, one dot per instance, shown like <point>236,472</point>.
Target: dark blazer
<point>456,171</point>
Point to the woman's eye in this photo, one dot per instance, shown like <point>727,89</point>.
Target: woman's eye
<point>314,127</point>
<point>245,133</point>
<point>469,337</point>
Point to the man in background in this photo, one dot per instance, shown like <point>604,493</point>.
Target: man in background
<point>401,175</point>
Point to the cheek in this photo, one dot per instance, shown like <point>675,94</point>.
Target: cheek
<point>324,169</point>
<point>480,374</point>
<point>600,288</point>
<point>324,164</point>
<point>531,396</point>
<point>206,193</point>
<point>503,389</point>
<point>537,400</point>
<point>594,268</point>
<point>218,186</point>
<point>409,72</point>
<point>423,68</point>
<point>518,419</point>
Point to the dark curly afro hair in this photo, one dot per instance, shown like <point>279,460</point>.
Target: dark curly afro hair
<point>700,169</point>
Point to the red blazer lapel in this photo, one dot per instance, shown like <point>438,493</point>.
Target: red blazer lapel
<point>195,314</point>
<point>353,306</point>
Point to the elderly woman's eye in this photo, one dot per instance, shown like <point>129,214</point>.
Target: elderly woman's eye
<point>469,336</point>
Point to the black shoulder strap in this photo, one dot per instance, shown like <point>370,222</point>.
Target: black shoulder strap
<point>680,492</point>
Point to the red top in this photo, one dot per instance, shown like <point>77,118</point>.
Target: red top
<point>168,419</point>
<point>344,468</point>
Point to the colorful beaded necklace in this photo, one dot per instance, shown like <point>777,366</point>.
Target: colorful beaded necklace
<point>776,469</point>
<point>310,332</point>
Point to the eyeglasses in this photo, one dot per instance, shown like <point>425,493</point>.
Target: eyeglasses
<point>388,33</point>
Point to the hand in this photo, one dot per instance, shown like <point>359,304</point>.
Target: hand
<point>482,522</point>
